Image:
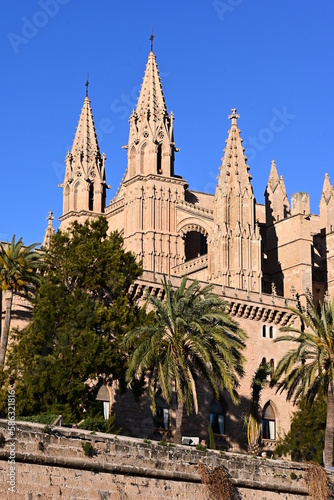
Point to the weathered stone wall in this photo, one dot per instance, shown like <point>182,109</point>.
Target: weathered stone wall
<point>53,465</point>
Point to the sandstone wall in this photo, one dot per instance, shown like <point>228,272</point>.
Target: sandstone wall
<point>53,465</point>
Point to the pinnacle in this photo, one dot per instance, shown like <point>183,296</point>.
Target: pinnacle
<point>151,98</point>
<point>85,140</point>
<point>234,169</point>
<point>273,176</point>
<point>327,189</point>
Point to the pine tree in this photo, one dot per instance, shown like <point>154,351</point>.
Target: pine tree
<point>80,314</point>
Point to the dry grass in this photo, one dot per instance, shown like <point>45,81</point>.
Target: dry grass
<point>217,482</point>
<point>317,482</point>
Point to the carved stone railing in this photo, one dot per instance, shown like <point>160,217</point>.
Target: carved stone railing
<point>191,266</point>
<point>241,303</point>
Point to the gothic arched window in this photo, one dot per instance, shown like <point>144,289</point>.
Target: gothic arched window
<point>268,422</point>
<point>217,417</point>
<point>161,417</point>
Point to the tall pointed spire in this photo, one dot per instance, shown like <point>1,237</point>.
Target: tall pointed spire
<point>49,232</point>
<point>327,205</point>
<point>235,243</point>
<point>84,187</point>
<point>151,145</point>
<point>276,199</point>
<point>151,101</point>
<point>85,140</point>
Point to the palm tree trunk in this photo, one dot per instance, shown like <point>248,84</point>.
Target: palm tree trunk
<point>329,434</point>
<point>5,333</point>
<point>178,423</point>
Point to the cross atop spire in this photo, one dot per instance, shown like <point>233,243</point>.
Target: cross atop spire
<point>234,116</point>
<point>86,84</point>
<point>151,38</point>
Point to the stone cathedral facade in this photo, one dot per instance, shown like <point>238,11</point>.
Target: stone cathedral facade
<point>257,256</point>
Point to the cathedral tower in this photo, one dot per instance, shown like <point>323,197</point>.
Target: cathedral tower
<point>150,191</point>
<point>84,186</point>
<point>235,242</point>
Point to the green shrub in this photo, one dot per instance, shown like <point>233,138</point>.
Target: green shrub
<point>99,425</point>
<point>88,449</point>
<point>44,418</point>
<point>201,447</point>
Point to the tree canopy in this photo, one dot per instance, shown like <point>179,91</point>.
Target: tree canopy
<point>305,439</point>
<point>192,337</point>
<point>308,369</point>
<point>81,311</point>
<point>18,271</point>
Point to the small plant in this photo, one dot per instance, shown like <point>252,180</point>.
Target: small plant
<point>212,444</point>
<point>171,445</point>
<point>47,430</point>
<point>293,476</point>
<point>40,446</point>
<point>147,441</point>
<point>201,447</point>
<point>87,449</point>
<point>162,443</point>
<point>222,452</point>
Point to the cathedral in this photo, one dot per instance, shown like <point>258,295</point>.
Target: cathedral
<point>260,258</point>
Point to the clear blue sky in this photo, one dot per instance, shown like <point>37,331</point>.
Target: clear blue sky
<point>272,60</point>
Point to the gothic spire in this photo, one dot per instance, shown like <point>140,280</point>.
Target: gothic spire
<point>274,179</point>
<point>234,169</point>
<point>85,143</point>
<point>277,203</point>
<point>327,189</point>
<point>327,204</point>
<point>84,186</point>
<point>151,101</point>
<point>235,242</point>
<point>49,232</point>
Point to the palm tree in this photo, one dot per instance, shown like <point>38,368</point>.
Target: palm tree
<point>192,336</point>
<point>308,369</point>
<point>253,419</point>
<point>18,266</point>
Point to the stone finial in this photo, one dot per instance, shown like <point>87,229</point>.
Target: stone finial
<point>234,116</point>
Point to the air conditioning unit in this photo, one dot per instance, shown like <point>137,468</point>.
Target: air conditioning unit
<point>190,441</point>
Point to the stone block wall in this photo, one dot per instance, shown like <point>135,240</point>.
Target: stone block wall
<point>52,464</point>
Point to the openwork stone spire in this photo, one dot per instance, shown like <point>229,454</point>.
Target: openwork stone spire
<point>235,243</point>
<point>151,101</point>
<point>85,145</point>
<point>151,145</point>
<point>84,187</point>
